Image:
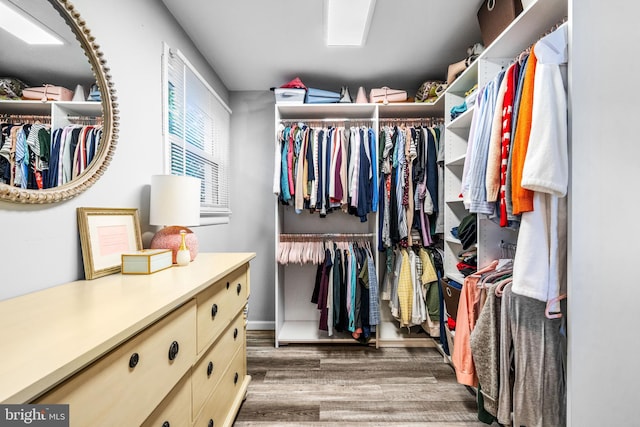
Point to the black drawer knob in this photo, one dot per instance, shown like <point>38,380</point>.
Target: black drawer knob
<point>235,378</point>
<point>173,350</point>
<point>228,285</point>
<point>209,369</point>
<point>166,424</point>
<point>235,333</point>
<point>210,422</point>
<point>133,360</point>
<point>214,310</point>
<point>238,288</point>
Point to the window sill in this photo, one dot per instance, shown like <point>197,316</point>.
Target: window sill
<point>213,218</point>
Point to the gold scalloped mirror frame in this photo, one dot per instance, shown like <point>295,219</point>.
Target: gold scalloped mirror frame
<point>110,121</point>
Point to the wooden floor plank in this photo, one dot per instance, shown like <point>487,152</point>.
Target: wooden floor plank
<point>355,424</point>
<point>349,385</point>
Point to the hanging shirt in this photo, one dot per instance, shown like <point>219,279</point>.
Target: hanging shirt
<point>522,198</point>
<point>284,180</point>
<point>478,166</point>
<point>540,263</point>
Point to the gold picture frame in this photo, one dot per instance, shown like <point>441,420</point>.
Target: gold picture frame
<point>106,233</point>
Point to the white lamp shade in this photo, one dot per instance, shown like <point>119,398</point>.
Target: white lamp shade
<point>175,200</point>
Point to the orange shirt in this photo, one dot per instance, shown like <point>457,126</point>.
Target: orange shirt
<point>522,198</point>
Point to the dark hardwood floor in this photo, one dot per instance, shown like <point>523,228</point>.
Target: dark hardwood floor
<point>351,385</point>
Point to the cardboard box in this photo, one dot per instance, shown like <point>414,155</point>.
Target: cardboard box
<point>146,261</point>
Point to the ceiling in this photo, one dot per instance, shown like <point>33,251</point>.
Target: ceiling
<point>259,44</point>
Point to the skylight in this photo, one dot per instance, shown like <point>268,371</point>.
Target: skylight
<point>347,21</point>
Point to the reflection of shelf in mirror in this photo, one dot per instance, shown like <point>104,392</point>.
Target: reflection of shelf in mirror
<point>85,108</point>
<point>463,121</point>
<point>457,161</point>
<point>25,107</point>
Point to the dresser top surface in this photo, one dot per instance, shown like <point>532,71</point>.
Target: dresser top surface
<point>50,334</point>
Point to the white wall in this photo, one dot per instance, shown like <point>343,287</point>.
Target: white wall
<point>252,198</point>
<point>604,291</point>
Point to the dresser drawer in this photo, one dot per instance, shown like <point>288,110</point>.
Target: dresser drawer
<point>212,365</point>
<point>126,385</point>
<point>219,405</point>
<point>219,304</point>
<point>174,409</point>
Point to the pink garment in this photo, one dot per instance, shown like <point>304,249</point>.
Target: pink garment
<point>468,312</point>
<point>290,159</point>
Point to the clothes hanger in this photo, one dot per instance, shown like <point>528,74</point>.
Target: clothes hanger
<point>500,287</point>
<point>550,315</point>
<point>487,268</point>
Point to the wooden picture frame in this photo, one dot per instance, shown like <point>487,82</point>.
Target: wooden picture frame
<point>106,233</point>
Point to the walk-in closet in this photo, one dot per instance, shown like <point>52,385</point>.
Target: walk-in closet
<point>427,223</point>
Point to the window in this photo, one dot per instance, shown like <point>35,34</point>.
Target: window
<point>196,133</point>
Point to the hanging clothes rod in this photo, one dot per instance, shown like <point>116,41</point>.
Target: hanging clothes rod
<point>320,120</point>
<point>555,27</point>
<point>305,237</point>
<point>28,118</point>
<point>84,117</point>
<point>91,120</point>
<point>328,122</point>
<point>508,249</point>
<point>426,121</point>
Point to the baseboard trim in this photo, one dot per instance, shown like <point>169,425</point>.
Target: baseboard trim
<point>260,325</point>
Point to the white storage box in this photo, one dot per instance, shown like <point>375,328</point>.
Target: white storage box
<point>146,261</point>
<point>289,95</point>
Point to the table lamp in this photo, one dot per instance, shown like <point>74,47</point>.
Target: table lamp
<point>174,204</point>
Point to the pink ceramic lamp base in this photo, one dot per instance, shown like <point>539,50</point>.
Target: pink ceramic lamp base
<point>169,238</point>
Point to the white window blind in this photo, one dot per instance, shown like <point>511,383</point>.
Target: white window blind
<point>196,132</point>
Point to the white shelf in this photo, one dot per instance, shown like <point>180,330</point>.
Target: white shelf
<point>452,239</point>
<point>337,111</point>
<point>526,29</point>
<point>324,111</point>
<point>455,201</point>
<point>306,332</point>
<point>455,276</point>
<point>465,81</point>
<point>411,109</point>
<point>463,121</point>
<point>457,161</point>
<point>391,335</point>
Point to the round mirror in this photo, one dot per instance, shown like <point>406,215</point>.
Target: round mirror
<point>63,88</point>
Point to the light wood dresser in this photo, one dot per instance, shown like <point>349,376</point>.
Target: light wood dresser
<point>166,349</point>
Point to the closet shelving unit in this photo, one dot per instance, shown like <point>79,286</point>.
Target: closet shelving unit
<point>528,27</point>
<point>296,317</point>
